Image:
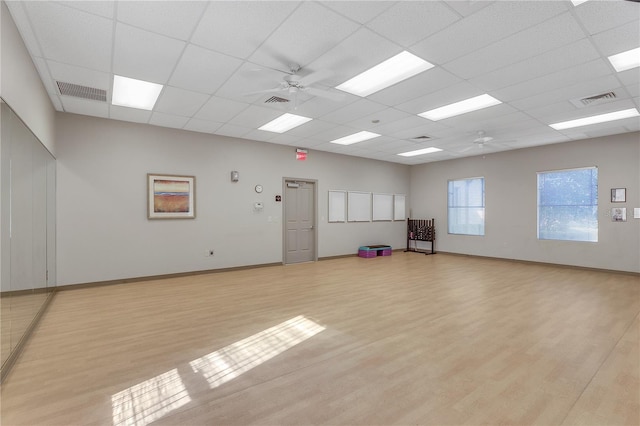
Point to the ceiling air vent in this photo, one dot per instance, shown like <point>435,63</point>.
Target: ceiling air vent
<point>275,99</point>
<point>594,99</point>
<point>84,92</point>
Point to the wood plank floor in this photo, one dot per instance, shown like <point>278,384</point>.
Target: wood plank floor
<point>404,339</point>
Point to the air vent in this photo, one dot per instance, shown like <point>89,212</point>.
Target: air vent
<point>275,99</point>
<point>84,92</point>
<point>594,99</point>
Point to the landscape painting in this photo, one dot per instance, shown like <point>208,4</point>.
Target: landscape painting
<point>171,196</point>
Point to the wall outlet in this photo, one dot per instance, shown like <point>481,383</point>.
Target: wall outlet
<point>209,253</point>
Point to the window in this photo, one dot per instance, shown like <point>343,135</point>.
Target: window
<point>466,206</point>
<point>568,205</point>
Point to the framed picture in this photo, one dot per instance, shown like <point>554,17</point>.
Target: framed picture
<point>618,195</point>
<point>619,214</point>
<point>171,197</point>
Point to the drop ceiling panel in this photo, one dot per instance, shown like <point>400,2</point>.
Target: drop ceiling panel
<point>406,123</point>
<point>144,55</point>
<point>85,107</point>
<point>554,33</point>
<point>426,82</point>
<point>585,72</point>
<point>180,102</point>
<point>357,53</point>
<point>96,7</point>
<point>238,28</point>
<point>489,25</point>
<point>129,114</point>
<point>203,70</point>
<point>466,8</point>
<point>254,117</point>
<point>353,111</point>
<point>168,120</point>
<point>490,117</point>
<point>78,75</point>
<point>19,15</point>
<point>232,130</point>
<point>619,39</point>
<point>202,126</point>
<point>220,110</point>
<point>598,16</point>
<point>575,91</point>
<point>311,30</point>
<point>317,107</point>
<point>310,129</point>
<point>384,117</point>
<point>446,96</point>
<point>360,11</point>
<point>169,18</point>
<point>595,110</point>
<point>407,23</point>
<point>573,54</point>
<point>88,45</point>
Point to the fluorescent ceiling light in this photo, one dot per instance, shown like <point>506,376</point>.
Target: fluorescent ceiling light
<point>355,138</point>
<point>132,93</point>
<point>462,107</point>
<point>385,74</point>
<point>626,60</point>
<point>595,119</point>
<point>578,2</point>
<point>284,122</point>
<point>420,152</point>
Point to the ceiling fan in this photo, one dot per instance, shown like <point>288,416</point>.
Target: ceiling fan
<point>479,141</point>
<point>482,140</point>
<point>293,84</point>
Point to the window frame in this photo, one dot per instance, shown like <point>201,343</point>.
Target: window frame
<point>467,206</point>
<point>592,190</point>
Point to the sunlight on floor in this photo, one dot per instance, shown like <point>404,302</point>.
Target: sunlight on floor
<point>152,399</point>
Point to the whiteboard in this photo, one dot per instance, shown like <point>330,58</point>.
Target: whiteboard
<point>359,206</point>
<point>398,207</point>
<point>382,206</point>
<point>337,206</point>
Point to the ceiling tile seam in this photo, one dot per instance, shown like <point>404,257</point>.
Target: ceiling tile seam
<point>69,5</point>
<point>113,55</point>
<point>589,37</point>
<point>46,63</point>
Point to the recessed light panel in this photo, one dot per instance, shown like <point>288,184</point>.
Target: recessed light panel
<point>595,119</point>
<point>385,74</point>
<point>462,107</point>
<point>132,93</point>
<point>626,60</point>
<point>355,138</point>
<point>284,122</point>
<point>420,152</point>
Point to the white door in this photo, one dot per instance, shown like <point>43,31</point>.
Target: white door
<point>299,221</point>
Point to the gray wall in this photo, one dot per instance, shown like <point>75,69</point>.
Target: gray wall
<point>511,197</point>
<point>103,231</point>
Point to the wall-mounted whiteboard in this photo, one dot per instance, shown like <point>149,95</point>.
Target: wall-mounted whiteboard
<point>382,206</point>
<point>359,206</point>
<point>337,206</point>
<point>398,207</point>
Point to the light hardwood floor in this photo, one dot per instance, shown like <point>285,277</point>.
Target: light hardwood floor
<point>404,339</point>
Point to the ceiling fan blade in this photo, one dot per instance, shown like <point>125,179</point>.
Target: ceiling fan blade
<point>277,89</point>
<point>325,94</point>
<point>314,77</point>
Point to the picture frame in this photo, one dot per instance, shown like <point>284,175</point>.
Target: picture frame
<point>619,214</point>
<point>171,196</point>
<point>618,195</point>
